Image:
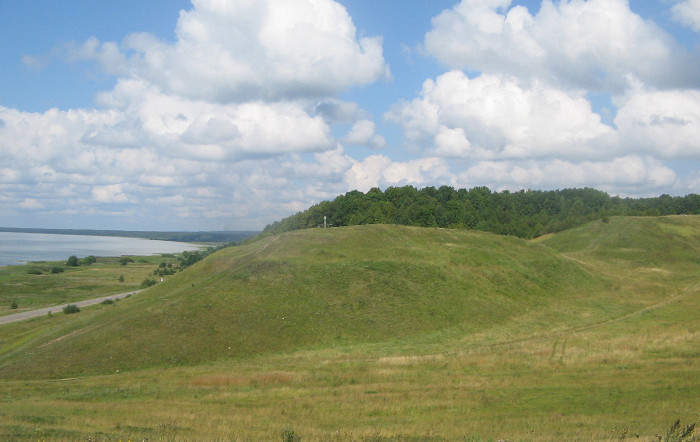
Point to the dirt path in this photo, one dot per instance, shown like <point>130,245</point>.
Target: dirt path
<point>59,308</point>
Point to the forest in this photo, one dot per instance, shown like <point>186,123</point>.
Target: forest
<point>525,214</point>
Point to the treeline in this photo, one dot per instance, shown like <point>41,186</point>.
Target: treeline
<point>526,214</point>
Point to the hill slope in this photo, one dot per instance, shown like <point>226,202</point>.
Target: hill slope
<point>310,289</point>
<point>669,240</point>
<point>389,333</point>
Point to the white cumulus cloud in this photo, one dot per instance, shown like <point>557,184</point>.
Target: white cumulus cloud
<point>249,50</point>
<point>628,175</point>
<point>381,171</point>
<point>493,117</point>
<point>363,133</point>
<point>31,203</point>
<point>688,13</point>
<point>109,194</point>
<point>592,44</point>
<point>663,123</point>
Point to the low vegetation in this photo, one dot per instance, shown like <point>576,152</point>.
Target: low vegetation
<point>148,282</point>
<point>70,309</point>
<point>124,260</point>
<point>48,284</point>
<point>377,333</point>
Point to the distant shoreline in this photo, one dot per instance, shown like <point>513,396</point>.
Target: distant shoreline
<point>17,248</point>
<point>202,237</point>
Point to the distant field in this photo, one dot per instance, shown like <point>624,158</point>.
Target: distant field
<point>34,286</point>
<point>380,333</point>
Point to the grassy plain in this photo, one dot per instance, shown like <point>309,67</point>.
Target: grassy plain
<point>33,286</point>
<point>380,333</point>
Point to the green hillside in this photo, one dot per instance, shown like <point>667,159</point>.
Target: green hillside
<point>665,241</point>
<point>311,289</point>
<point>380,333</point>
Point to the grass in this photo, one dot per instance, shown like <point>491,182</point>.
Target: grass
<point>312,290</point>
<point>22,285</point>
<point>591,334</point>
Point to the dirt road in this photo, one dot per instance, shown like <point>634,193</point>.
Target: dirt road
<point>59,308</point>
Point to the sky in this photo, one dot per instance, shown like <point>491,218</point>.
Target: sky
<point>232,114</point>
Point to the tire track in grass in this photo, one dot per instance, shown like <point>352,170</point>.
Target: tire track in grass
<point>571,331</point>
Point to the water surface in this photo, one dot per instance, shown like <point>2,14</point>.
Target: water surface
<point>20,248</point>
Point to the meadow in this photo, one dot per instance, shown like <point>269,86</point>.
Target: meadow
<point>34,286</point>
<point>381,333</point>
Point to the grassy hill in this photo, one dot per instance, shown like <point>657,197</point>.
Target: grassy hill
<point>312,289</point>
<point>381,333</point>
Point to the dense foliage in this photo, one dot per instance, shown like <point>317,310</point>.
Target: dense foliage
<point>526,214</point>
<point>70,309</point>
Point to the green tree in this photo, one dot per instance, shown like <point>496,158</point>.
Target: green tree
<point>522,213</point>
<point>72,261</point>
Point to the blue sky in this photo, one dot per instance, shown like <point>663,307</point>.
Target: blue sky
<point>210,115</point>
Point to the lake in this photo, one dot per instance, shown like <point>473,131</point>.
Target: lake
<point>20,248</point>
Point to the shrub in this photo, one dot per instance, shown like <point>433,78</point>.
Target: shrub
<point>290,436</point>
<point>125,260</point>
<point>56,269</point>
<point>72,261</point>
<point>34,271</point>
<point>108,301</point>
<point>148,283</point>
<point>189,258</point>
<point>89,260</point>
<point>14,305</point>
<point>164,272</point>
<point>121,278</point>
<point>70,309</point>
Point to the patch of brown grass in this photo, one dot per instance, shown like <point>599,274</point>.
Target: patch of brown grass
<point>236,380</point>
<point>409,360</point>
